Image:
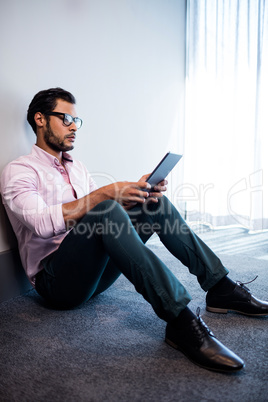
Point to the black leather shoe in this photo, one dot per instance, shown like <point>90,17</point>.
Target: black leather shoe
<point>239,300</point>
<point>200,345</point>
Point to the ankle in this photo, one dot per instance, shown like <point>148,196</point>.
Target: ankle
<point>224,286</point>
<point>184,318</point>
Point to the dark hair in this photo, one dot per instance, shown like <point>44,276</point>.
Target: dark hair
<point>45,102</point>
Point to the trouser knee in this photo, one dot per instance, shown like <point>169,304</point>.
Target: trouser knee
<point>108,217</point>
<point>163,208</point>
<point>104,207</point>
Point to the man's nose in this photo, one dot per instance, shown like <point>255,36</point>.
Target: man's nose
<point>73,127</point>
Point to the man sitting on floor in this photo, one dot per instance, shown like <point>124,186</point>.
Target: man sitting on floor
<point>75,239</point>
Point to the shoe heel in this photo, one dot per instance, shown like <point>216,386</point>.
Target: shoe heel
<point>217,310</point>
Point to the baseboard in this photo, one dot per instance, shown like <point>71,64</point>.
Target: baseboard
<point>13,281</point>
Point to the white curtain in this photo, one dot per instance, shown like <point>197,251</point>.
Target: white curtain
<point>226,129</point>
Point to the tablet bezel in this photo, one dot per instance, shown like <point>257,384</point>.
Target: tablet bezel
<point>164,167</point>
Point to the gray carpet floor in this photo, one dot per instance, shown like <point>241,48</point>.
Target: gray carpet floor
<point>112,348</point>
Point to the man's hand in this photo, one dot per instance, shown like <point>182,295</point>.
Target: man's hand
<point>129,193</point>
<point>153,194</point>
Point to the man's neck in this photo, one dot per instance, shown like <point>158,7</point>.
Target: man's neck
<point>50,151</point>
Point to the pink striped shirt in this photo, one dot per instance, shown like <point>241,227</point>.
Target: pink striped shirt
<point>33,189</point>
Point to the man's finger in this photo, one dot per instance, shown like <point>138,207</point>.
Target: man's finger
<point>155,194</point>
<point>160,188</point>
<point>143,185</point>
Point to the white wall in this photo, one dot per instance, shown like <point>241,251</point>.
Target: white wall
<point>124,60</point>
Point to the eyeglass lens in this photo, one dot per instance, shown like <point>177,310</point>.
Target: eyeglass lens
<point>68,120</point>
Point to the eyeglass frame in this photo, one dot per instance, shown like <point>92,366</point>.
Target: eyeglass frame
<point>57,114</point>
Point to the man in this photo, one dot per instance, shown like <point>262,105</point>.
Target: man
<point>75,239</point>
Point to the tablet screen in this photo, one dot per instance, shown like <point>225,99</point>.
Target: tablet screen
<point>163,168</point>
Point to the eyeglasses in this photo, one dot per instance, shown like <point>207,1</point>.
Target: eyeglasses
<point>67,119</point>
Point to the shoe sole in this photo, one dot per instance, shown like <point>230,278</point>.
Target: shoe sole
<point>175,346</point>
<point>225,311</point>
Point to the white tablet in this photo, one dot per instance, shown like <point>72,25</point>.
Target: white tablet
<point>163,168</point>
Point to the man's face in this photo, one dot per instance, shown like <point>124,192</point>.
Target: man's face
<point>58,136</point>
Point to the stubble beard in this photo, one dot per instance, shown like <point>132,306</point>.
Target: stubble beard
<point>54,142</point>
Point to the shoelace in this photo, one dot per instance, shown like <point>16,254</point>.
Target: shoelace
<point>242,284</point>
<point>202,329</point>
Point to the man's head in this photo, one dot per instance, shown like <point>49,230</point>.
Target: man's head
<point>45,102</point>
<point>52,116</point>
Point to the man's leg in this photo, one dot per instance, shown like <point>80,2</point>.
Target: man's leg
<point>73,273</point>
<point>164,219</point>
<point>223,294</point>
<point>80,266</point>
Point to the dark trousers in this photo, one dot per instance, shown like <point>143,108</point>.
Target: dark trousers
<point>109,241</point>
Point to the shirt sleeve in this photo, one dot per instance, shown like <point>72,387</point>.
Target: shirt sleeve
<point>89,184</point>
<point>19,188</point>
<point>92,184</point>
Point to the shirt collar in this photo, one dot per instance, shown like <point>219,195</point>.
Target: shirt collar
<point>46,157</point>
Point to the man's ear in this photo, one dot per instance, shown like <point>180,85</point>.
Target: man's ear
<point>39,119</point>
